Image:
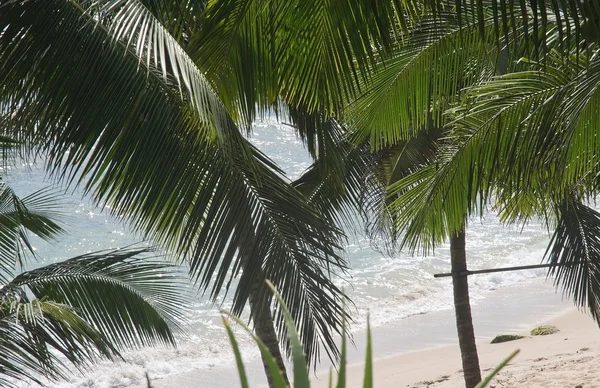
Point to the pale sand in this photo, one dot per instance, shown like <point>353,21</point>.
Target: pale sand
<point>400,360</point>
<point>569,358</point>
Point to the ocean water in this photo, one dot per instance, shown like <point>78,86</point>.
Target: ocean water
<point>388,288</point>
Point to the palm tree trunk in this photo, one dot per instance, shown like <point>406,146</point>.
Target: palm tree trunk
<point>462,308</point>
<point>265,329</point>
<point>260,309</point>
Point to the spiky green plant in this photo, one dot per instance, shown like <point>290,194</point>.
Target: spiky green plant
<point>300,368</point>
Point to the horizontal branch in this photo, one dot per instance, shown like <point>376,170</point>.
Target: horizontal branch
<point>518,268</point>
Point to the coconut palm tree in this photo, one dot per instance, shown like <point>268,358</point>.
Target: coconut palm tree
<point>474,164</point>
<point>138,97</point>
<point>111,93</point>
<point>401,116</point>
<point>546,114</point>
<point>416,84</point>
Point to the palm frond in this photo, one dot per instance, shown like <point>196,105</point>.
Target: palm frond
<point>309,53</point>
<point>180,18</point>
<point>578,20</point>
<point>420,80</point>
<point>132,300</point>
<point>34,333</point>
<point>39,338</point>
<point>38,213</point>
<point>147,91</point>
<point>296,248</point>
<point>335,184</point>
<point>85,308</point>
<point>575,252</point>
<point>387,167</point>
<point>131,22</point>
<point>539,127</point>
<point>147,152</point>
<point>527,99</point>
<point>8,145</point>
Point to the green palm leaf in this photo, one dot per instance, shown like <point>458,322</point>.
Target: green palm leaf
<point>34,333</point>
<point>38,213</point>
<point>176,176</point>
<point>297,250</point>
<point>387,167</point>
<point>422,78</point>
<point>502,148</point>
<point>145,295</point>
<point>580,19</point>
<point>575,252</point>
<point>131,22</point>
<point>308,53</point>
<point>542,125</point>
<point>86,307</point>
<point>336,182</point>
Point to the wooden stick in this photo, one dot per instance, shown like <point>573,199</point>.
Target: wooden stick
<point>519,268</point>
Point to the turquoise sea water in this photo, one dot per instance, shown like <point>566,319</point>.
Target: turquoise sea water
<point>389,288</point>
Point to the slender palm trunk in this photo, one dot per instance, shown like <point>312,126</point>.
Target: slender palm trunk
<point>462,308</point>
<point>265,329</point>
<point>260,311</point>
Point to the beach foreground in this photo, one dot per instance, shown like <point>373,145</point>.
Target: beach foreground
<point>569,358</point>
<point>422,351</point>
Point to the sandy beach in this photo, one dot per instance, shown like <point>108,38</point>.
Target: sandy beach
<point>422,351</point>
<point>569,358</point>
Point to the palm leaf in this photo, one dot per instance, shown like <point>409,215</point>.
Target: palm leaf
<point>131,22</point>
<point>38,213</point>
<point>503,150</point>
<point>578,18</point>
<point>84,308</point>
<point>131,300</point>
<point>387,167</point>
<point>542,125</point>
<point>26,345</point>
<point>167,71</point>
<point>309,53</point>
<point>34,333</point>
<point>297,250</point>
<point>149,153</point>
<point>335,184</point>
<point>574,251</point>
<point>419,81</point>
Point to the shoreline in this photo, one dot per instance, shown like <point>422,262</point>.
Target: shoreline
<point>569,358</point>
<point>515,309</point>
<point>498,313</point>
